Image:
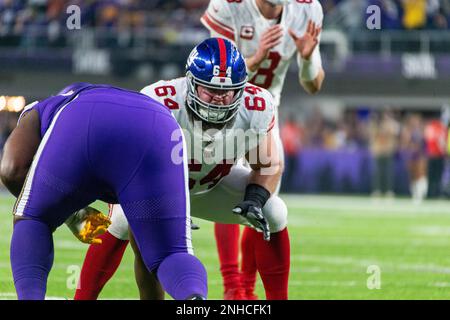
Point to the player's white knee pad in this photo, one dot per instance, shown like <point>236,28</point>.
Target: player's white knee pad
<point>275,210</point>
<point>119,224</point>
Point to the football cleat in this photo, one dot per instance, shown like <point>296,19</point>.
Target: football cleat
<point>194,226</point>
<point>197,297</point>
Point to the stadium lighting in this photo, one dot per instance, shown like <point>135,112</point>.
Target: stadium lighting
<point>2,102</point>
<point>16,104</point>
<point>12,104</point>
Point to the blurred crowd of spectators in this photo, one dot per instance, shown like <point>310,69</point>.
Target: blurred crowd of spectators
<point>420,139</point>
<point>24,21</point>
<point>395,14</point>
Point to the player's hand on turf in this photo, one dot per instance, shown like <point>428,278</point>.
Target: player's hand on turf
<point>253,213</point>
<point>308,42</point>
<point>87,224</point>
<point>269,39</point>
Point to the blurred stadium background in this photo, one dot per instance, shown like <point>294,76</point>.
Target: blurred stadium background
<point>379,125</point>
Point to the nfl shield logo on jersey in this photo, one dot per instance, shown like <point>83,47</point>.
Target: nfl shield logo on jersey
<point>247,32</point>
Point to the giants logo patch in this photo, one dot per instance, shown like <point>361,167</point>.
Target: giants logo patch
<point>247,32</point>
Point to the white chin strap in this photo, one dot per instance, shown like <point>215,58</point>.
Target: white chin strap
<point>279,2</point>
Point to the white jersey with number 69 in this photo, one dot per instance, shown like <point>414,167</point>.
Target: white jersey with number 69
<point>212,154</point>
<point>241,22</point>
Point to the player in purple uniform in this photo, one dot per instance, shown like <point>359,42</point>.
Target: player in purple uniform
<point>100,142</point>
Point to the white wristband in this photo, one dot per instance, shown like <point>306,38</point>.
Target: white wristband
<point>310,70</point>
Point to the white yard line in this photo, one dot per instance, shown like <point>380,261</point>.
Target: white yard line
<point>439,284</point>
<point>383,206</point>
<point>432,230</point>
<point>13,296</point>
<point>364,263</point>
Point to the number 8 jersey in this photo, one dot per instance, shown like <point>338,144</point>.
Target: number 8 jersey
<point>241,22</point>
<point>212,153</point>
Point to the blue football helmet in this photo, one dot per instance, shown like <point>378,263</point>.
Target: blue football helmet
<point>217,64</point>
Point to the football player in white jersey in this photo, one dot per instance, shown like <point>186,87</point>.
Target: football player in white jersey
<point>269,33</point>
<point>224,119</point>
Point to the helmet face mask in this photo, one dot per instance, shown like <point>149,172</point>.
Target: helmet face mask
<point>279,2</point>
<point>210,112</point>
<point>215,64</point>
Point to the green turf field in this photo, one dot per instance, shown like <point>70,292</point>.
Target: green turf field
<point>334,240</point>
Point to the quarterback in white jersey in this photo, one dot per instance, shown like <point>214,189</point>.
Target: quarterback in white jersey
<point>268,35</point>
<point>223,119</point>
